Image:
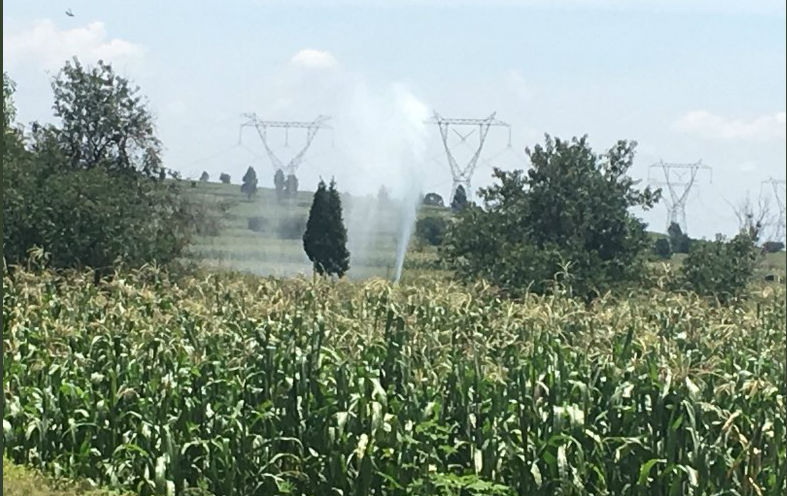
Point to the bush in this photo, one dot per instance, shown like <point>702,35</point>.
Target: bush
<point>433,200</point>
<point>722,269</point>
<point>224,178</point>
<point>662,248</point>
<point>291,228</point>
<point>772,246</point>
<point>431,230</point>
<point>257,224</point>
<point>679,242</point>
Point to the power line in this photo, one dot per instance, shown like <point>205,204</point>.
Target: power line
<point>679,179</point>
<point>461,175</point>
<point>262,127</point>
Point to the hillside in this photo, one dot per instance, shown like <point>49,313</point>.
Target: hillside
<point>276,248</point>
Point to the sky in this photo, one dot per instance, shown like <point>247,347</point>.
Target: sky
<point>689,81</point>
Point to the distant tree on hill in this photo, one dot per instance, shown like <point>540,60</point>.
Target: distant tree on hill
<point>224,178</point>
<point>722,269</point>
<point>679,242</point>
<point>460,199</point>
<point>291,186</point>
<point>325,238</point>
<point>204,177</point>
<point>772,246</point>
<point>249,186</point>
<point>662,248</point>
<point>382,194</point>
<point>431,229</point>
<point>279,183</point>
<point>433,199</point>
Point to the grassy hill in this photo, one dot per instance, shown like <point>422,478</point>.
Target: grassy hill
<point>275,246</point>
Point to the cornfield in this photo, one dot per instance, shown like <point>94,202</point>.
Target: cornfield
<point>233,385</point>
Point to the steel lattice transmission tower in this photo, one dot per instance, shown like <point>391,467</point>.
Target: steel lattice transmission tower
<point>778,188</point>
<point>678,180</point>
<point>262,129</point>
<point>462,175</point>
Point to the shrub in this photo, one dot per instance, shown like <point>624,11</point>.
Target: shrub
<point>662,248</point>
<point>772,246</point>
<point>257,224</point>
<point>291,227</point>
<point>431,230</point>
<point>224,178</point>
<point>722,269</point>
<point>679,241</point>
<point>433,200</point>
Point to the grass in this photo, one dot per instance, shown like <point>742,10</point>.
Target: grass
<point>24,481</point>
<point>373,231</point>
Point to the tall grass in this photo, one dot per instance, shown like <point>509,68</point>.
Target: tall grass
<point>235,385</point>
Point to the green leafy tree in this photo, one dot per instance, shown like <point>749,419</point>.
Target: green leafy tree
<point>224,178</point>
<point>722,269</point>
<point>279,182</point>
<point>205,177</point>
<point>105,121</point>
<point>88,191</point>
<point>249,186</point>
<point>459,202</point>
<point>325,238</point>
<point>568,215</point>
<point>679,242</point>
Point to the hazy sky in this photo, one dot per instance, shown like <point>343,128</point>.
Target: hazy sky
<point>705,81</point>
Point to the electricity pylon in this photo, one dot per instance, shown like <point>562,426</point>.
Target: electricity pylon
<point>262,129</point>
<point>678,179</point>
<point>461,175</point>
<point>778,188</point>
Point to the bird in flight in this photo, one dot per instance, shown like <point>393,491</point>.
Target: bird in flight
<point>69,13</point>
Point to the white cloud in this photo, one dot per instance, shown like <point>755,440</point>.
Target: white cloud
<point>314,59</point>
<point>708,125</point>
<point>45,45</point>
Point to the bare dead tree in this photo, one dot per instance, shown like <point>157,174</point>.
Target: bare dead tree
<point>754,216</point>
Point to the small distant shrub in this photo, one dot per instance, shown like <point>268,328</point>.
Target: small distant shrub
<point>205,177</point>
<point>433,200</point>
<point>431,230</point>
<point>772,246</point>
<point>662,248</point>
<point>257,224</point>
<point>291,228</point>
<point>722,269</point>
<point>459,201</point>
<point>679,241</point>
<point>224,178</point>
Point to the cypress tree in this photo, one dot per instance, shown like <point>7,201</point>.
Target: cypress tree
<point>340,256</point>
<point>325,238</point>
